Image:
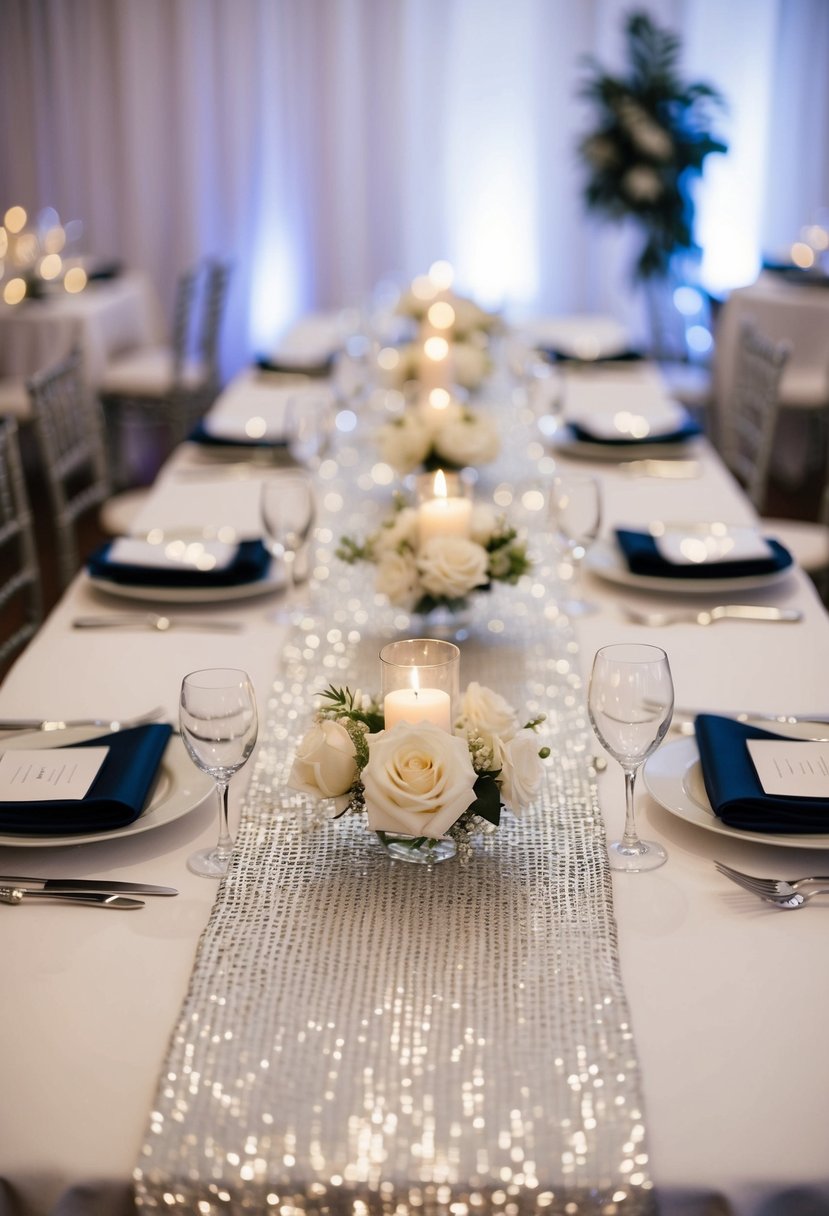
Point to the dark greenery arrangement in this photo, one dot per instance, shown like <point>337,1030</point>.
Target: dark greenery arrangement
<point>651,140</point>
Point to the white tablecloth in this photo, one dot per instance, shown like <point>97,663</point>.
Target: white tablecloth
<point>109,316</point>
<point>727,994</point>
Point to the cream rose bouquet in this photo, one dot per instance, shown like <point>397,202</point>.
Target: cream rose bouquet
<point>471,364</point>
<point>445,570</point>
<point>452,438</point>
<point>421,782</point>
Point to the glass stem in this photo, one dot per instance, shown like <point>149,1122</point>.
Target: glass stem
<point>224,845</point>
<point>630,838</point>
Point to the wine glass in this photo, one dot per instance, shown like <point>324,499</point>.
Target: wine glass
<point>631,701</point>
<point>288,511</point>
<point>575,510</point>
<point>308,427</point>
<point>218,719</point>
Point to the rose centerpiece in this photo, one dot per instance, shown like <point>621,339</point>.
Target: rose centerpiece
<point>438,433</point>
<point>437,556</point>
<point>426,791</point>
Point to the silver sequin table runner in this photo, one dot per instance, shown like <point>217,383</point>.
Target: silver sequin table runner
<point>362,1035</point>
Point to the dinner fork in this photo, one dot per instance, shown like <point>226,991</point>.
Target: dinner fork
<point>740,612</point>
<point>769,888</point>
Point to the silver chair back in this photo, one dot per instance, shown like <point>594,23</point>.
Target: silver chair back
<point>749,418</point>
<point>21,597</point>
<point>69,430</point>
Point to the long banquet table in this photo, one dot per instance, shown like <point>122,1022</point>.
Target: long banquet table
<point>717,999</point>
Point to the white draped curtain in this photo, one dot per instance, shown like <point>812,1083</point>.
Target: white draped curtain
<point>325,146</point>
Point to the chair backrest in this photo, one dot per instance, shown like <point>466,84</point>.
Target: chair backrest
<point>749,417</point>
<point>70,436</point>
<point>183,320</point>
<point>215,298</point>
<point>21,599</point>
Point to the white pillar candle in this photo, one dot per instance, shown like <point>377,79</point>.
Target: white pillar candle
<point>436,364</point>
<point>443,514</point>
<point>416,705</point>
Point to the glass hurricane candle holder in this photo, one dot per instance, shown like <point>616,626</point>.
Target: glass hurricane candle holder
<point>420,682</point>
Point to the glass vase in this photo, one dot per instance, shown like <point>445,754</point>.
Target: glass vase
<point>419,850</point>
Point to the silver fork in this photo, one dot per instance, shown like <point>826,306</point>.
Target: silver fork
<point>777,890</point>
<point>723,612</point>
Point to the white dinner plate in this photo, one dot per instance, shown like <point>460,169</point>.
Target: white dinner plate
<point>567,444</point>
<point>605,559</point>
<point>673,777</point>
<point>272,582</point>
<point>180,788</point>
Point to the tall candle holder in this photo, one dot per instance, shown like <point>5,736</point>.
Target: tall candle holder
<point>420,682</point>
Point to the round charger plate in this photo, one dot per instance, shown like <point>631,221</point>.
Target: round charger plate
<point>673,777</point>
<point>180,788</point>
<point>272,582</point>
<point>605,560</point>
<point>567,444</point>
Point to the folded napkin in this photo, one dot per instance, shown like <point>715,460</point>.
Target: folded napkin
<point>201,434</point>
<point>296,365</point>
<point>687,429</point>
<point>734,789</point>
<point>249,562</point>
<point>116,797</point>
<point>642,555</point>
<point>568,356</point>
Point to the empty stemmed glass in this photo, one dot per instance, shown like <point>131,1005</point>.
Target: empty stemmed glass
<point>288,510</point>
<point>575,510</point>
<point>308,427</point>
<point>631,701</point>
<point>218,719</point>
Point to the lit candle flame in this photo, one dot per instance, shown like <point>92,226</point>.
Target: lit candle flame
<point>440,484</point>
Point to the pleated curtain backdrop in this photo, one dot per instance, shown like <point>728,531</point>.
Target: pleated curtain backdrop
<point>326,145</point>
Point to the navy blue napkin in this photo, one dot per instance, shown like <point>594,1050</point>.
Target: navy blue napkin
<point>687,430</point>
<point>201,434</point>
<point>734,789</point>
<point>563,356</point>
<point>643,557</point>
<point>318,369</point>
<point>116,797</point>
<point>250,563</point>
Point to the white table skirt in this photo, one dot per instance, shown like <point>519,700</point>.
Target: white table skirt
<point>107,317</point>
<point>727,995</point>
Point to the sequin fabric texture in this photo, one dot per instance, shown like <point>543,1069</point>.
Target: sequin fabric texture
<point>363,1035</point>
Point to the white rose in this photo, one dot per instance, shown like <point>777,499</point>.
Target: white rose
<point>397,578</point>
<point>419,780</point>
<point>487,715</point>
<point>468,440</point>
<point>404,443</point>
<point>483,523</point>
<point>324,764</point>
<point>471,363</point>
<point>451,566</point>
<point>400,530</point>
<point>434,420</point>
<point>520,771</point>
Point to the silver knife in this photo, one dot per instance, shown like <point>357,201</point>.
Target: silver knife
<point>68,885</point>
<point>152,620</point>
<point>97,899</point>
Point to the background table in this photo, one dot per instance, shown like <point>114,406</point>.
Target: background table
<point>108,316</point>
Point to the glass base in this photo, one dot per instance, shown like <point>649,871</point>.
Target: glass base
<point>417,849</point>
<point>646,855</point>
<point>209,863</point>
